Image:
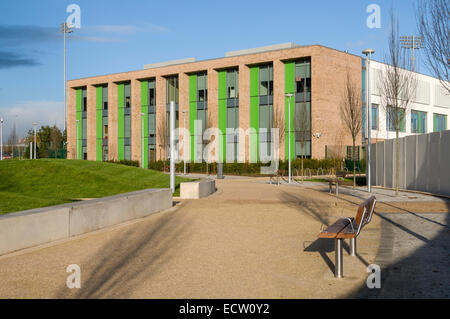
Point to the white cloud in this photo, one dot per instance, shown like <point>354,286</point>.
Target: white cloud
<point>26,112</point>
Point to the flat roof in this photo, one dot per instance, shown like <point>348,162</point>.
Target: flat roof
<point>274,47</point>
<point>168,63</point>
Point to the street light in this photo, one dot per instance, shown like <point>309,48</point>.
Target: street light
<point>65,28</point>
<point>35,124</point>
<point>142,139</point>
<point>368,53</point>
<point>289,95</point>
<point>76,136</point>
<point>184,141</point>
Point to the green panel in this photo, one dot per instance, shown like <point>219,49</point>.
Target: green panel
<point>144,109</point>
<point>79,129</point>
<point>192,112</point>
<point>289,83</point>
<point>99,123</point>
<point>254,113</point>
<point>120,121</point>
<point>222,115</point>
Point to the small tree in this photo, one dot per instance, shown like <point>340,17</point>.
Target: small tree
<point>433,22</point>
<point>397,87</point>
<point>162,141</point>
<point>351,114</point>
<point>278,122</point>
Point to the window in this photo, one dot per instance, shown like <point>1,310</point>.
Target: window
<point>105,97</point>
<point>172,94</point>
<point>127,93</point>
<point>302,115</point>
<point>105,153</point>
<point>374,118</point>
<point>265,129</point>
<point>172,89</point>
<point>202,87</point>
<point>266,80</point>
<point>302,127</point>
<point>392,119</point>
<point>440,122</point>
<point>232,135</point>
<point>151,118</point>
<point>84,100</point>
<point>418,122</point>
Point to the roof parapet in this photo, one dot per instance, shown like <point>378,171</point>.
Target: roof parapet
<point>168,63</point>
<point>288,45</point>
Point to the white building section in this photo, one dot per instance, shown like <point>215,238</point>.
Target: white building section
<point>431,107</point>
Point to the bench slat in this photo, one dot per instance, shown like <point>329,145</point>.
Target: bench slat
<point>333,230</point>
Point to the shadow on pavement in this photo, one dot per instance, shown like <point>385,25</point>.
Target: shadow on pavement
<point>424,273</point>
<point>120,264</point>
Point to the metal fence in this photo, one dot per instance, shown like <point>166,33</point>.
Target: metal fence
<point>424,163</point>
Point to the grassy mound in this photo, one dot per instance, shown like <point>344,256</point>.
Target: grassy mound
<point>31,184</point>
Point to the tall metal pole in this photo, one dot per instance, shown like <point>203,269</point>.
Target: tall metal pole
<point>172,146</point>
<point>65,105</point>
<point>76,136</point>
<point>1,139</point>
<point>368,53</point>
<point>34,124</point>
<point>289,96</point>
<point>142,139</point>
<point>184,142</point>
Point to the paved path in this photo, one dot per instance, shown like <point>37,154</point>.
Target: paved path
<point>249,240</point>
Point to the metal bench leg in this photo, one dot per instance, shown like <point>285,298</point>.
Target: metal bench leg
<point>331,187</point>
<point>338,265</point>
<point>353,246</point>
<point>337,188</point>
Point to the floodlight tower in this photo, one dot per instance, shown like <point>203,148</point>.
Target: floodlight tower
<point>412,42</point>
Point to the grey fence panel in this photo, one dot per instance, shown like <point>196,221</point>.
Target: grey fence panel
<point>445,162</point>
<point>373,166</point>
<point>410,162</point>
<point>389,163</point>
<point>380,163</point>
<point>422,162</point>
<point>434,171</point>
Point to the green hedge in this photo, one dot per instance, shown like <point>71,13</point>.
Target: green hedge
<point>244,168</point>
<point>125,162</point>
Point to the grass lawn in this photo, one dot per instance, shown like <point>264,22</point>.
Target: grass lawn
<point>31,184</point>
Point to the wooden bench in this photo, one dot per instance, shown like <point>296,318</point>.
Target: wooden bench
<point>279,174</point>
<point>350,228</point>
<point>336,181</point>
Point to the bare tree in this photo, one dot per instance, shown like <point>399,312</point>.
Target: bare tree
<point>397,87</point>
<point>433,18</point>
<point>279,123</point>
<point>351,114</point>
<point>162,141</point>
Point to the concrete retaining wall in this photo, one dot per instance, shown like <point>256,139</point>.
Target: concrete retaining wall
<point>43,225</point>
<point>198,189</point>
<point>424,163</point>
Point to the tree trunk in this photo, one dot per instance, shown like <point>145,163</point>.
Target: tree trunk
<point>354,169</point>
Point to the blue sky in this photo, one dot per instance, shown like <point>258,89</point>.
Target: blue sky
<point>118,36</point>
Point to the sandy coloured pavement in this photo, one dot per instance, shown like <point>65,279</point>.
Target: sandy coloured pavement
<point>249,240</point>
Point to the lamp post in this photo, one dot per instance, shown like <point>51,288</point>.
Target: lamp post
<point>142,139</point>
<point>1,139</point>
<point>184,141</point>
<point>76,136</point>
<point>65,28</point>
<point>289,96</point>
<point>368,53</point>
<point>172,146</point>
<point>35,124</point>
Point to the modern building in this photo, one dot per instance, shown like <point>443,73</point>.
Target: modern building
<point>428,112</point>
<point>124,116</point>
